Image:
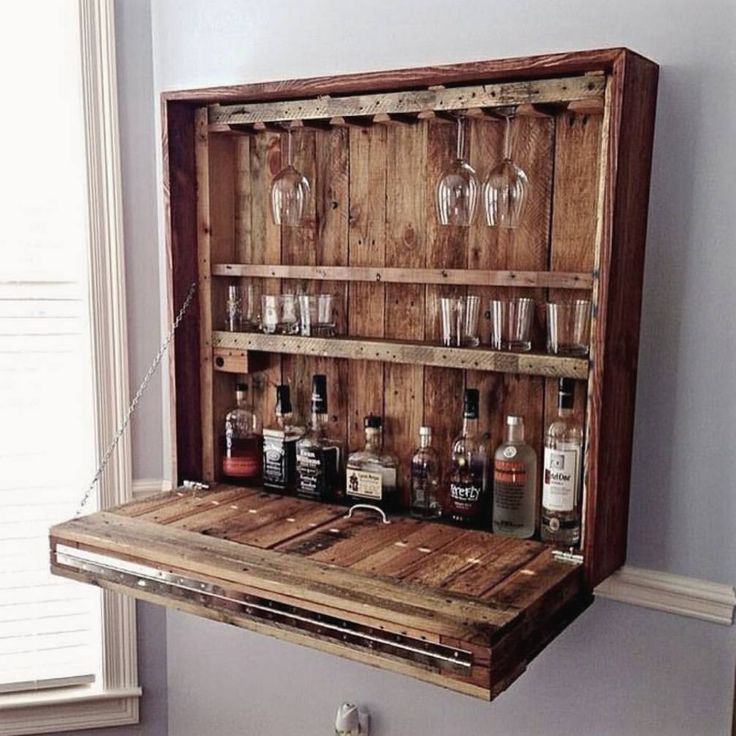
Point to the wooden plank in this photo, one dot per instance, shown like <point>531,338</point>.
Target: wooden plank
<point>266,570</point>
<point>366,239</point>
<point>265,163</point>
<point>404,311</point>
<point>408,352</point>
<point>615,336</point>
<point>379,274</point>
<point>454,98</point>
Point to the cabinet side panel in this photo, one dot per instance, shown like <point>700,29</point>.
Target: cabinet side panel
<point>615,342</point>
<point>180,193</point>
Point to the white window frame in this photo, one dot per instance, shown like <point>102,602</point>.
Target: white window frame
<point>115,700</point>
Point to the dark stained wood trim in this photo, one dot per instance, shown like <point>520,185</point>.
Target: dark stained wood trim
<point>545,65</point>
<point>615,342</point>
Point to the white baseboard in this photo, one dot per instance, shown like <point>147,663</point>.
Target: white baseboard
<point>148,486</point>
<point>661,591</point>
<point>664,591</point>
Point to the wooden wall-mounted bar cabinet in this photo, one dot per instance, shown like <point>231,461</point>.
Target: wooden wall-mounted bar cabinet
<point>461,608</point>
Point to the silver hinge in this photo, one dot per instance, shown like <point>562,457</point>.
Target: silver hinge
<point>572,558</point>
<point>196,485</point>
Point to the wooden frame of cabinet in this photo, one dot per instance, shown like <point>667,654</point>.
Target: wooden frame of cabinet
<point>373,144</point>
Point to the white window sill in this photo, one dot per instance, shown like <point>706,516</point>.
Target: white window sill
<point>67,709</point>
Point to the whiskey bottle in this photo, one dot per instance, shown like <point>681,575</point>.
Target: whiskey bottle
<point>563,462</point>
<point>318,456</point>
<point>514,483</point>
<point>279,445</point>
<point>425,478</point>
<point>241,450</point>
<point>469,468</point>
<point>371,474</point>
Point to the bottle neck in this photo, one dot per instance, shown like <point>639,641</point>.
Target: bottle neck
<point>373,440</point>
<point>564,412</point>
<point>425,441</point>
<point>470,425</point>
<point>515,433</point>
<point>283,420</point>
<point>318,421</point>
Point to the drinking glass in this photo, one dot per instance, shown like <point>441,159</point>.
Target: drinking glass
<point>568,327</point>
<point>279,314</point>
<point>511,323</point>
<point>251,317</point>
<point>316,315</point>
<point>506,188</point>
<point>289,193</point>
<point>459,319</point>
<point>233,309</point>
<point>458,188</point>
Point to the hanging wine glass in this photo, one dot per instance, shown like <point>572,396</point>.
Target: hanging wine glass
<point>289,193</point>
<point>506,188</point>
<point>458,188</point>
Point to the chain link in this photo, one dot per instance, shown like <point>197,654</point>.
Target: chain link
<point>134,403</point>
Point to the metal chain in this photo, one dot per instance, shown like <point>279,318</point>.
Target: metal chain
<point>134,403</point>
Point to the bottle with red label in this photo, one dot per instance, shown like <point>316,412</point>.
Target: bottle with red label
<point>241,450</point>
<point>468,497</point>
<point>514,483</point>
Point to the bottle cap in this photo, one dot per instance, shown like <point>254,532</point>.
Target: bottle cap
<point>471,399</point>
<point>514,421</point>
<point>425,431</point>
<point>566,393</point>
<point>241,387</point>
<point>283,399</point>
<point>372,422</point>
<point>319,394</point>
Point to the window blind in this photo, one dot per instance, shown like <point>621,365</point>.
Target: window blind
<point>50,631</point>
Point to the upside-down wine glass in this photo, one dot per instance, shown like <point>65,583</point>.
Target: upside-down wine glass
<point>458,188</point>
<point>289,193</point>
<point>506,188</point>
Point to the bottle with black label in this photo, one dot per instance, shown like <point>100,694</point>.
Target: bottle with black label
<point>514,483</point>
<point>279,445</point>
<point>370,476</point>
<point>468,502</point>
<point>563,464</point>
<point>318,456</point>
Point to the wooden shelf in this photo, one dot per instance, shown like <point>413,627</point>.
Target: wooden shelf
<point>504,94</point>
<point>457,276</point>
<point>413,353</point>
<point>459,608</point>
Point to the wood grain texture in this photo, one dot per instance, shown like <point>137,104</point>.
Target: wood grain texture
<point>379,274</point>
<point>392,107</point>
<point>615,339</point>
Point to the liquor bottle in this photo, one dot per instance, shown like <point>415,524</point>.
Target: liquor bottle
<point>233,309</point>
<point>425,478</point>
<point>514,483</point>
<point>563,462</point>
<point>241,452</point>
<point>469,468</point>
<point>279,445</point>
<point>371,474</point>
<point>318,456</point>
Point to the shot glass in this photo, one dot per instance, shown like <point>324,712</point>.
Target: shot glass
<point>279,314</point>
<point>317,315</point>
<point>511,324</point>
<point>459,319</point>
<point>568,327</point>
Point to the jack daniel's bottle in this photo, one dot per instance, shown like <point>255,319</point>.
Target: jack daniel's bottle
<point>318,456</point>
<point>468,502</point>
<point>279,445</point>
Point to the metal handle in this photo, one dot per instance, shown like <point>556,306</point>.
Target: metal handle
<point>368,507</point>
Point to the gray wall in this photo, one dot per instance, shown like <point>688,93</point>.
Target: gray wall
<point>618,670</point>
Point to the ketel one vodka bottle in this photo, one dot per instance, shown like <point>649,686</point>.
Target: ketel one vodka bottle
<point>279,445</point>
<point>563,462</point>
<point>241,449</point>
<point>318,456</point>
<point>370,476</point>
<point>469,469</point>
<point>514,483</point>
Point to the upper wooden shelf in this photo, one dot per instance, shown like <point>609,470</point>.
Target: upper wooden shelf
<point>457,276</point>
<point>459,608</point>
<point>504,94</point>
<point>414,353</point>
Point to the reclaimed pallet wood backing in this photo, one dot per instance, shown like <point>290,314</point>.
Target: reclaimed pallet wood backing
<point>436,602</point>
